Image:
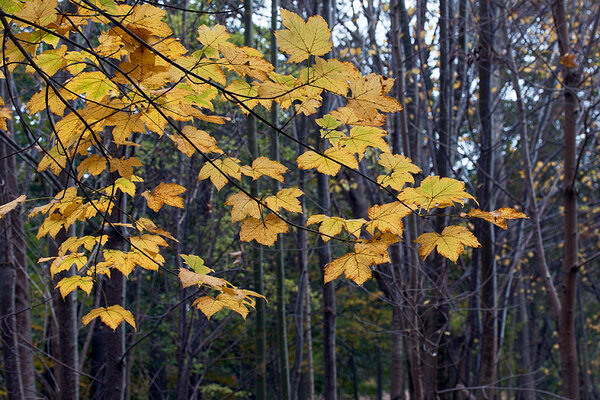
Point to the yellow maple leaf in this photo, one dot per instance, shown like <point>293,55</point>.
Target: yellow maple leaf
<point>281,89</point>
<point>387,218</point>
<point>286,199</point>
<point>73,243</point>
<point>71,283</point>
<point>401,170</point>
<point>208,305</point>
<point>55,159</point>
<point>234,303</point>
<point>125,123</point>
<point>51,225</point>
<point>64,263</point>
<point>124,166</point>
<point>212,38</point>
<point>331,226</point>
<point>497,217</point>
<point>245,61</point>
<point>111,316</point>
<point>264,166</point>
<point>245,95</point>
<point>95,85</point>
<point>165,193</point>
<point>198,138</point>
<point>329,163</point>
<point>362,137</point>
<point>11,205</point>
<point>436,192</point>
<point>450,243</point>
<point>243,206</point>
<point>50,61</point>
<point>93,164</point>
<point>303,39</point>
<point>38,102</point>
<point>331,75</point>
<point>369,94</point>
<point>146,20</point>
<point>356,265</point>
<point>264,231</point>
<point>219,170</point>
<point>39,12</point>
<point>347,116</point>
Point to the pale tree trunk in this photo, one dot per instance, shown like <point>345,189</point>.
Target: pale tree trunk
<point>566,319</point>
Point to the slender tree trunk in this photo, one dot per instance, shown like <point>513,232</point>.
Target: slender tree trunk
<point>329,308</point>
<point>65,348</point>
<point>257,253</point>
<point>114,289</point>
<point>525,347</point>
<point>485,173</point>
<point>19,260</point>
<point>8,277</point>
<point>309,344</point>
<point>282,343</point>
<point>566,319</point>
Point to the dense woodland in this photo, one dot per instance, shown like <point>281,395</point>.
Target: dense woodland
<point>229,200</point>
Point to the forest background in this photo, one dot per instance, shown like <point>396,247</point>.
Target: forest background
<point>145,210</point>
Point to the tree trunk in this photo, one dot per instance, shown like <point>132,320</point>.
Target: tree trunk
<point>256,253</point>
<point>8,277</point>
<point>329,308</point>
<point>485,173</point>
<point>282,343</point>
<point>18,259</point>
<point>566,319</point>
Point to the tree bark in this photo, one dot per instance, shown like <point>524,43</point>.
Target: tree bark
<point>485,173</point>
<point>566,319</point>
<point>8,277</point>
<point>256,253</point>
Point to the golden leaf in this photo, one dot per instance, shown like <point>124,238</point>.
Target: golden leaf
<point>402,170</point>
<point>243,206</point>
<point>264,231</point>
<point>95,85</point>
<point>387,218</point>
<point>263,166</point>
<point>11,205</point>
<point>208,306</point>
<point>219,170</point>
<point>165,193</point>
<point>93,164</point>
<point>111,316</point>
<point>369,94</point>
<point>198,138</point>
<point>497,217</point>
<point>329,163</point>
<point>436,192</point>
<point>331,226</point>
<point>39,12</point>
<point>71,283</point>
<point>286,199</point>
<point>450,243</point>
<point>362,137</point>
<point>303,39</point>
<point>331,75</point>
